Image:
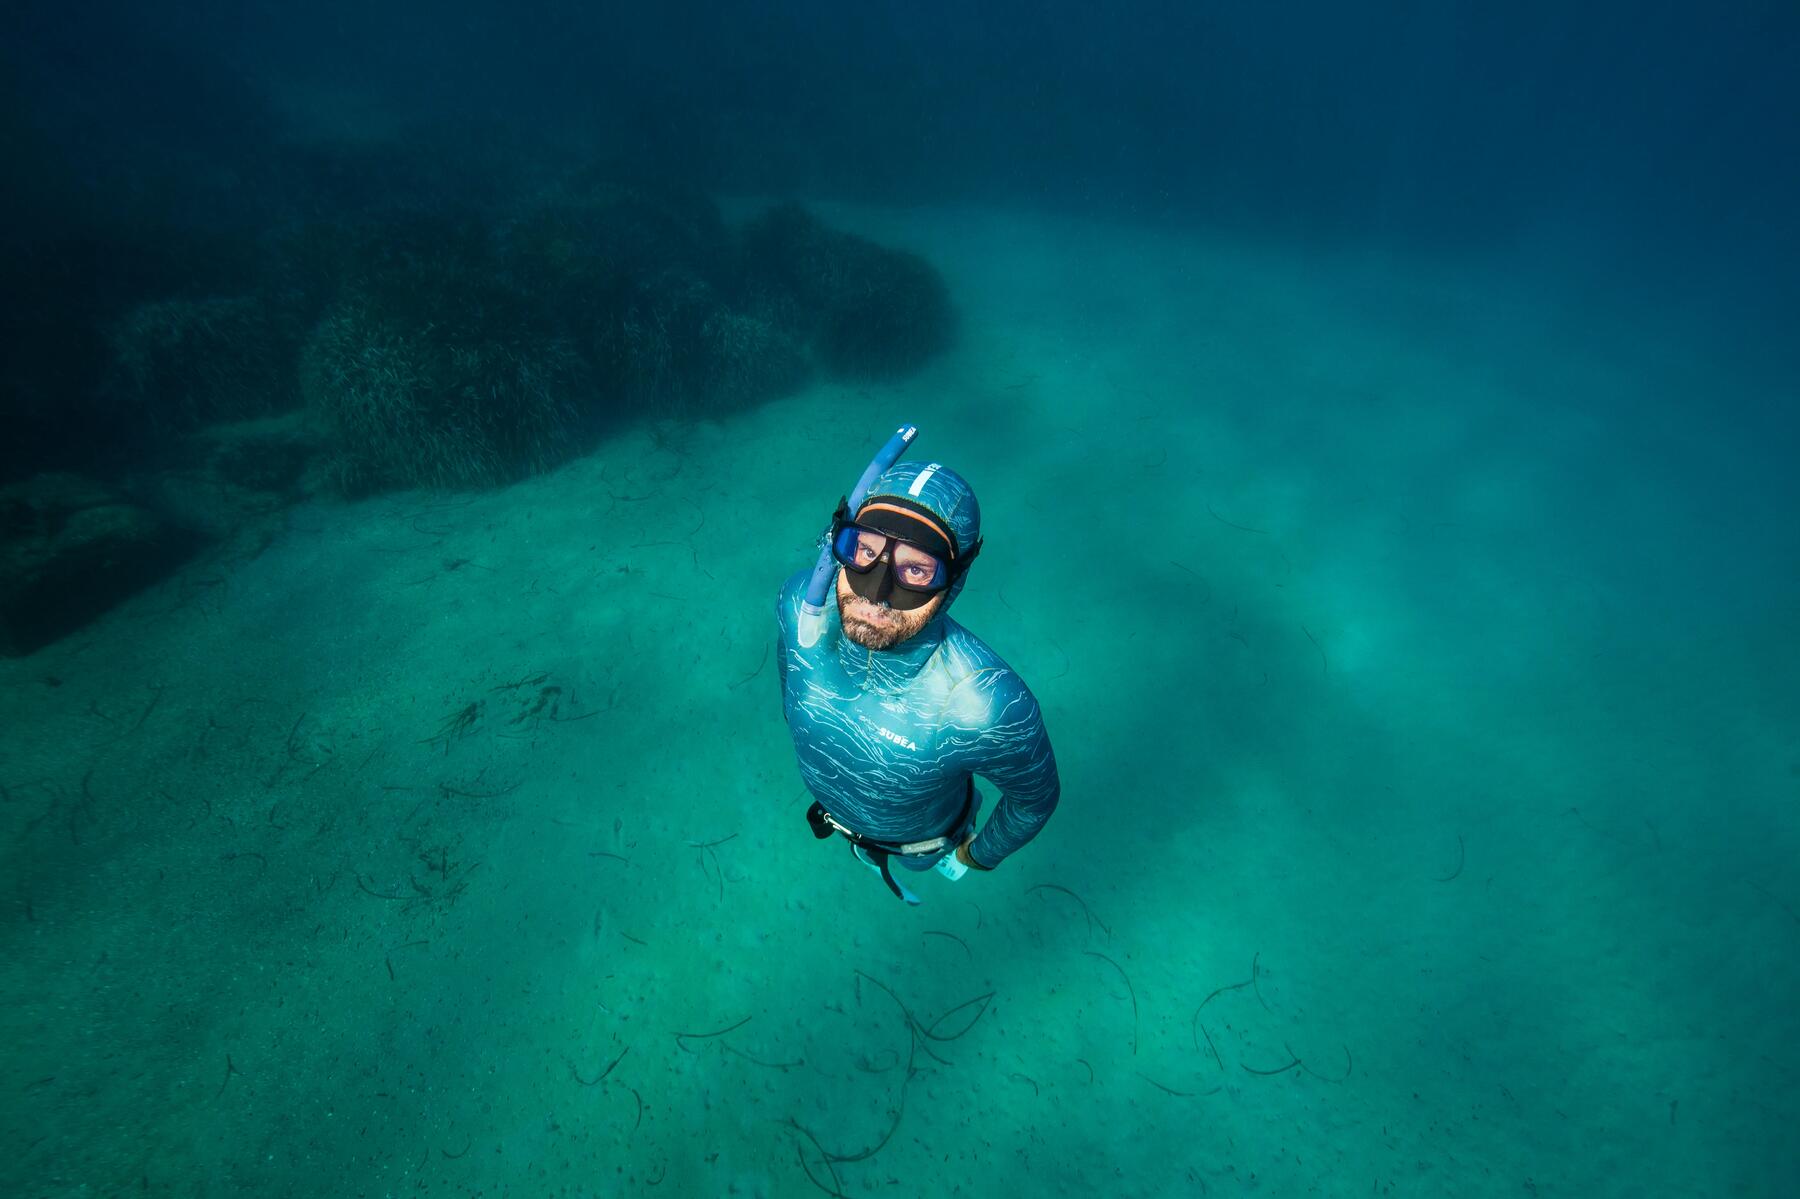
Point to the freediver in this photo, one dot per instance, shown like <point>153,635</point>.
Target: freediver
<point>893,706</point>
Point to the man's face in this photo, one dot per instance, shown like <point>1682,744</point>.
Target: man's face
<point>877,626</point>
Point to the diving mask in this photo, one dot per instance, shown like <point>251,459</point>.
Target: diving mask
<point>895,552</point>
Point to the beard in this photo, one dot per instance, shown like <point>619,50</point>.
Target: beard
<point>877,626</point>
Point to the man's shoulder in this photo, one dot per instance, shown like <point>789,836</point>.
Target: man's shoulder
<point>979,675</point>
<point>792,591</point>
<point>969,654</point>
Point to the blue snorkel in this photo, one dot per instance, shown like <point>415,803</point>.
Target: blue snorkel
<point>818,586</point>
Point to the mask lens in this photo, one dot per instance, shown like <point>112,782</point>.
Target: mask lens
<point>857,548</point>
<point>916,570</point>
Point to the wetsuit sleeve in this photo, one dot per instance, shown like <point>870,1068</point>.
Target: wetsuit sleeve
<point>785,607</point>
<point>1013,753</point>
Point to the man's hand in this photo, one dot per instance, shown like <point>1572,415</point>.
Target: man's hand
<point>968,859</point>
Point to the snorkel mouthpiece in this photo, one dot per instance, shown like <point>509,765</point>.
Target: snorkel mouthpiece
<point>812,606</point>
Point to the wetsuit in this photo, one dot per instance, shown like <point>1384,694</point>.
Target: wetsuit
<point>888,740</point>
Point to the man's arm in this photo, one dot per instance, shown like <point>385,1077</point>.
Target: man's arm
<point>784,617</point>
<point>1013,752</point>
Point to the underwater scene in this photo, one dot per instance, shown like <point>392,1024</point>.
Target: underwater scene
<point>1167,599</point>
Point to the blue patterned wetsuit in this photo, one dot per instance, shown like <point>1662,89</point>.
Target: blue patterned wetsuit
<point>888,739</point>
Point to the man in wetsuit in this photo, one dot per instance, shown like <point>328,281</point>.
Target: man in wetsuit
<point>895,707</point>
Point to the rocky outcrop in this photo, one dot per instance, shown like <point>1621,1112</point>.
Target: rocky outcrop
<point>69,550</point>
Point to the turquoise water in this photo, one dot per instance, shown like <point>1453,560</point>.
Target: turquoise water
<point>1413,617</point>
